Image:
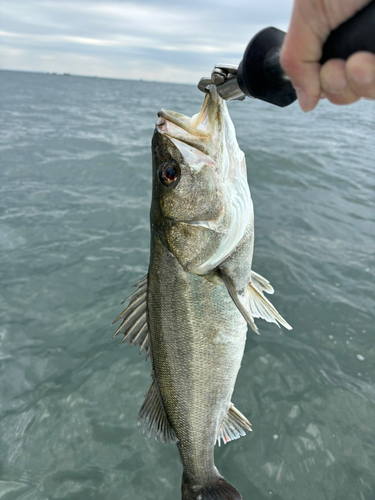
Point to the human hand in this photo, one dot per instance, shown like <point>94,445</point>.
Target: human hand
<point>342,82</point>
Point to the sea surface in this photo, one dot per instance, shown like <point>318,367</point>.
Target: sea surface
<point>75,188</point>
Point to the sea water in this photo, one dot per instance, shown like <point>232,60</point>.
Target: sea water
<point>75,188</point>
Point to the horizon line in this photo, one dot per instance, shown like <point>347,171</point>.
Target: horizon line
<point>53,73</point>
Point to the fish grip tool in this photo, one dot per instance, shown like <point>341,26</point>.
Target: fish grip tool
<point>260,75</point>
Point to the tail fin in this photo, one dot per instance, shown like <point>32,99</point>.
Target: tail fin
<point>219,490</point>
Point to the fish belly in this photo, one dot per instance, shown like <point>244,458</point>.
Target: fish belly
<point>197,340</point>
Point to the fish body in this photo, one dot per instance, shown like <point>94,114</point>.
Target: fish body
<point>191,311</point>
<point>197,345</point>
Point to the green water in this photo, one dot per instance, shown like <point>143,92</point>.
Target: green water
<point>75,189</point>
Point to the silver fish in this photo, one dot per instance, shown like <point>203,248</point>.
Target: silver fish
<point>190,311</point>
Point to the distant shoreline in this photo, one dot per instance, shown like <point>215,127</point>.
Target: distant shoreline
<point>47,73</point>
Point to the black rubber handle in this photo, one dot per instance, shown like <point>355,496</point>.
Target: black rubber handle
<point>358,33</point>
<point>260,74</point>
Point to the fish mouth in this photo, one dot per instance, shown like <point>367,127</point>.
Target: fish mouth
<point>196,131</point>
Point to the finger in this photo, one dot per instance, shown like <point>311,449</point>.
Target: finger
<point>334,82</point>
<point>360,71</point>
<point>299,55</point>
<point>304,74</point>
<point>309,95</point>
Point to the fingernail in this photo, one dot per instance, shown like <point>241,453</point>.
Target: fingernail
<point>305,102</point>
<point>337,85</point>
<point>363,77</point>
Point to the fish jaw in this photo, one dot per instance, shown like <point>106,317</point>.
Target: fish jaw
<point>206,141</point>
<point>204,130</point>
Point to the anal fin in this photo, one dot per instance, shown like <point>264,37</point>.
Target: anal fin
<point>233,426</point>
<point>153,418</point>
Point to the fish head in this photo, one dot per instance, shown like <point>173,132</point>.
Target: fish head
<point>201,204</point>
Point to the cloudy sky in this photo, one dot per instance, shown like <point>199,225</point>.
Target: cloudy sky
<point>160,40</point>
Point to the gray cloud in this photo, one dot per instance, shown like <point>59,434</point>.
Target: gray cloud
<point>148,39</point>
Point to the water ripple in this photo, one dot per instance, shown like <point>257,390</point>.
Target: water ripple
<point>75,189</point>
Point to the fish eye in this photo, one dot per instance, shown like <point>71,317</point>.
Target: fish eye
<point>169,174</point>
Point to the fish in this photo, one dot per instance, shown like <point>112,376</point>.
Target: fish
<point>190,312</point>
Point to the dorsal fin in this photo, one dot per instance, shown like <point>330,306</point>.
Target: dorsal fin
<point>134,318</point>
<point>152,416</point>
<point>233,426</point>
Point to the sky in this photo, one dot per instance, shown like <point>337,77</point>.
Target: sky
<point>161,40</point>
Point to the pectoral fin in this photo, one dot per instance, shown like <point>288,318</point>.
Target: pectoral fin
<point>261,283</point>
<point>258,305</point>
<point>233,293</point>
<point>134,319</point>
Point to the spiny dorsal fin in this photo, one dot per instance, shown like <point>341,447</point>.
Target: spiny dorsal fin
<point>234,295</point>
<point>152,416</point>
<point>134,319</point>
<point>233,426</point>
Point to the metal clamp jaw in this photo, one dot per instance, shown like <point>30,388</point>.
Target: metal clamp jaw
<point>259,74</point>
<point>224,76</point>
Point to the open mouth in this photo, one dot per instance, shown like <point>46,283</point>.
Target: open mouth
<point>191,131</point>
